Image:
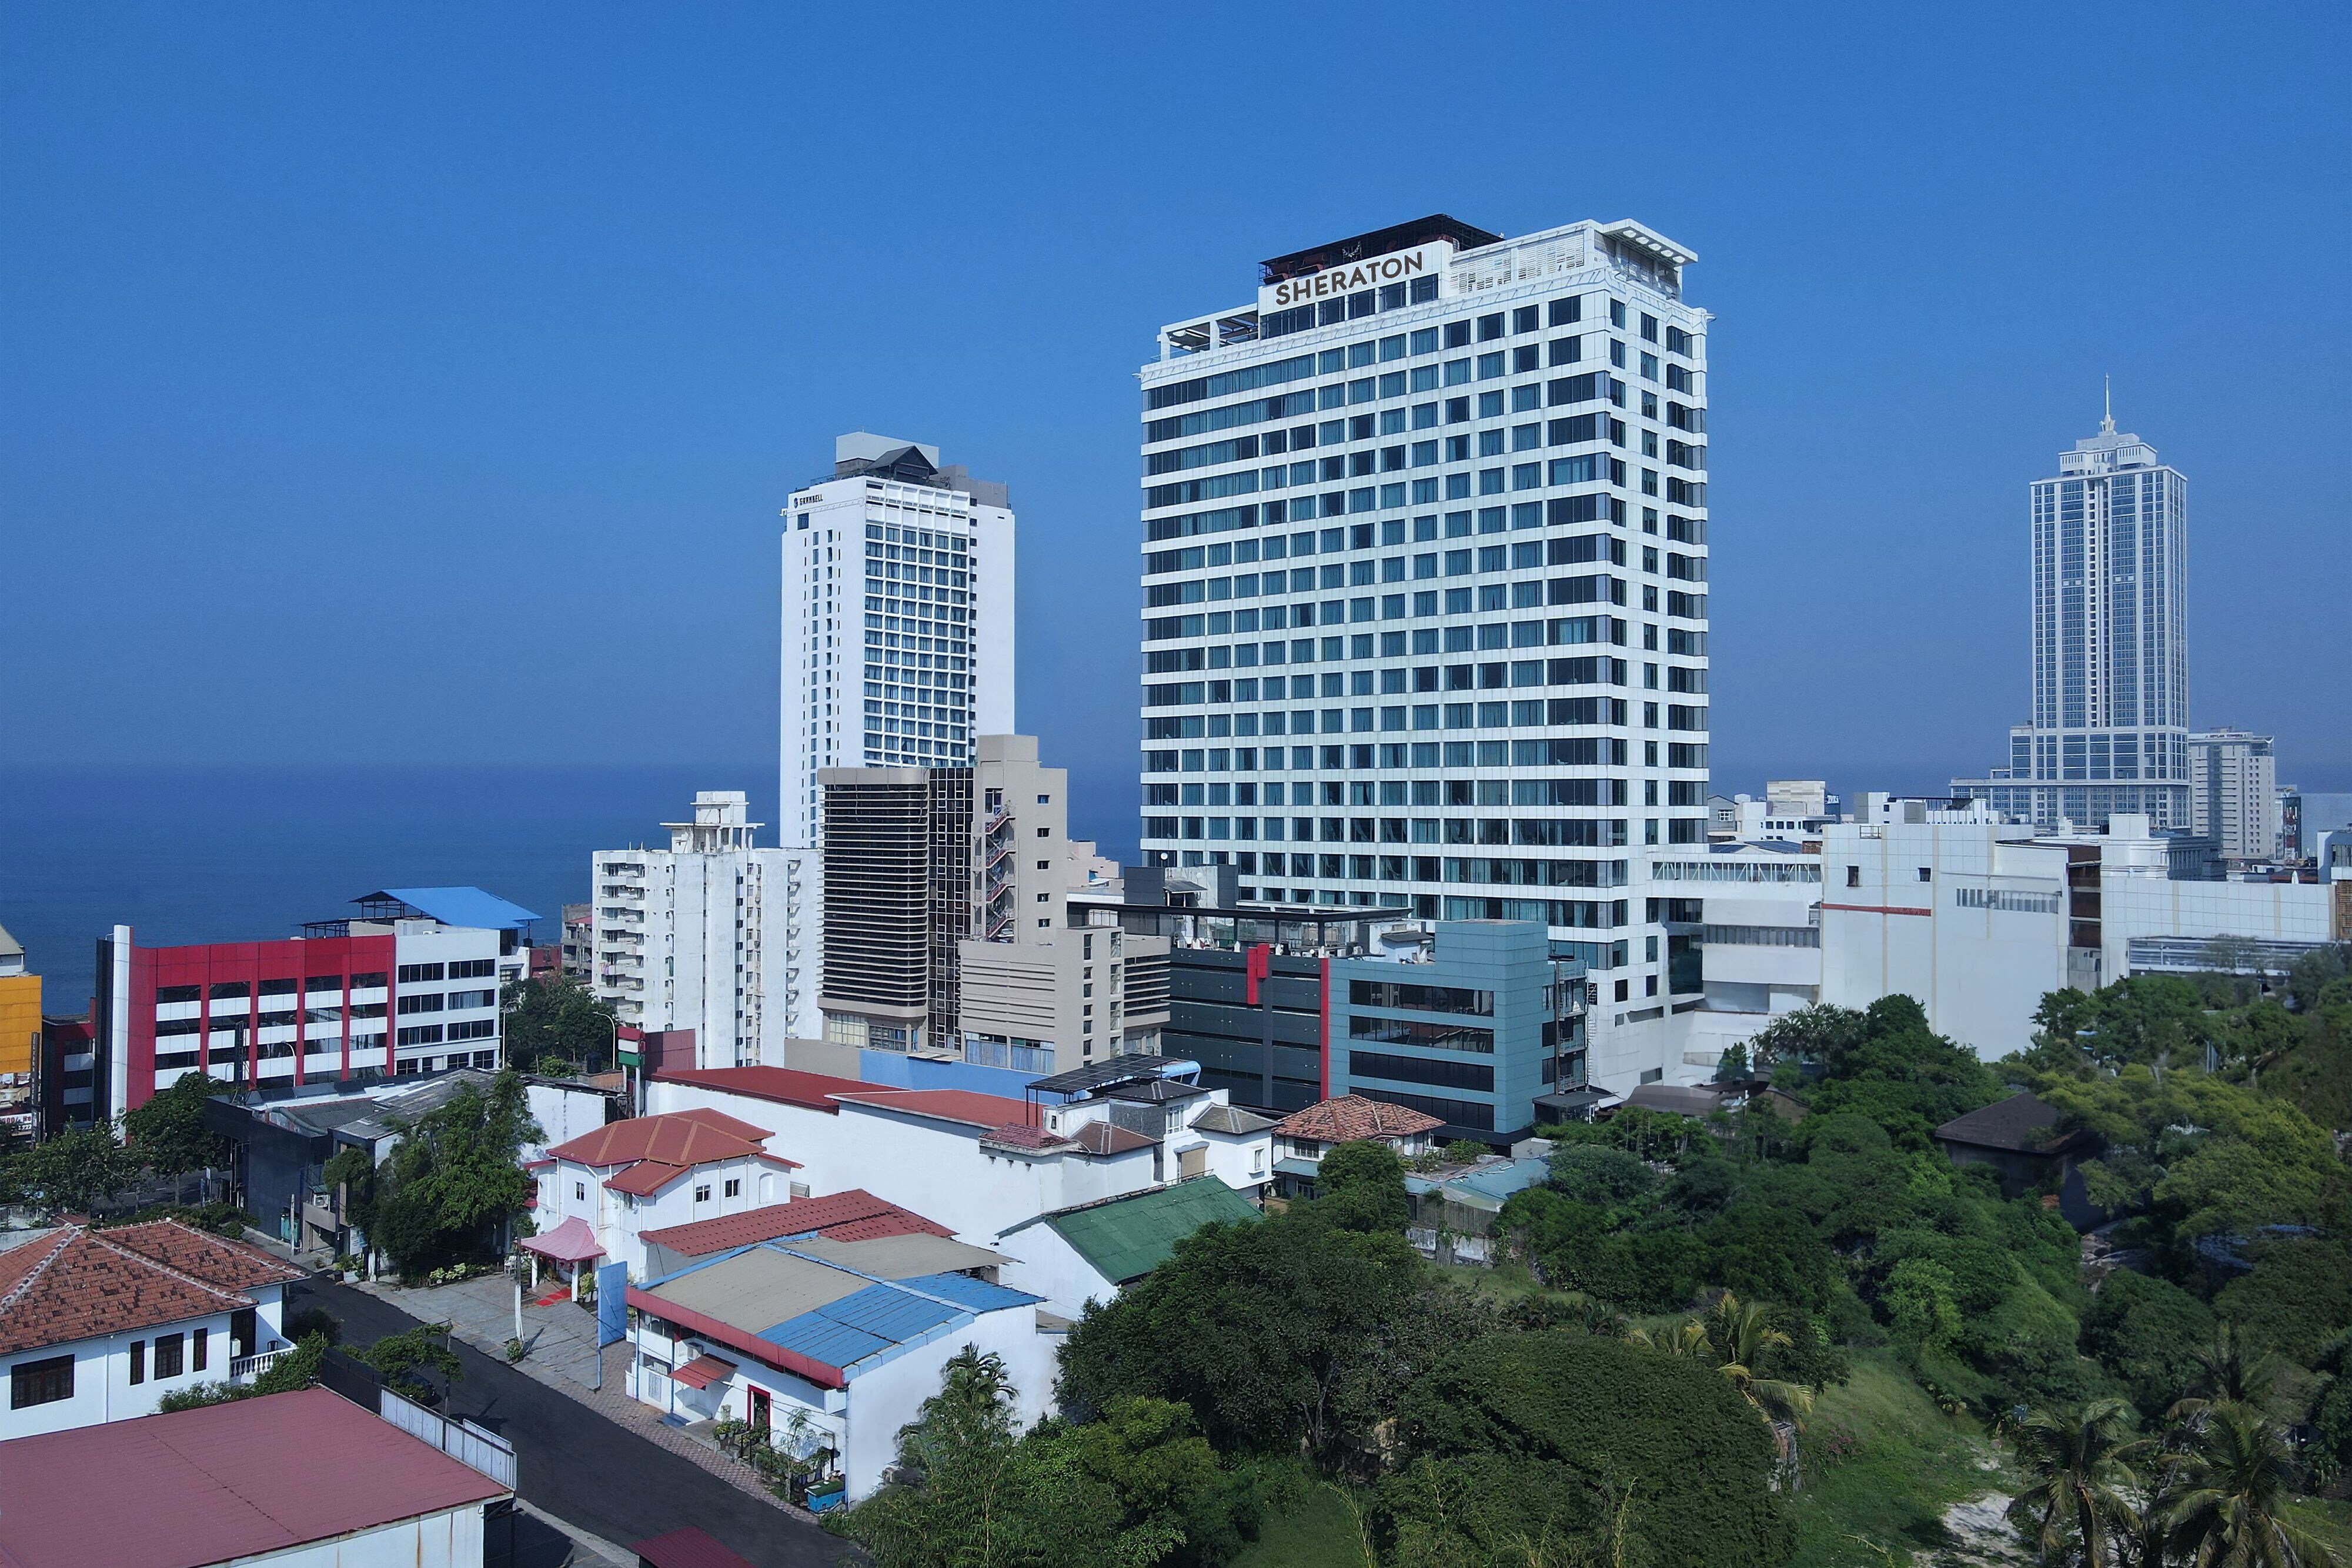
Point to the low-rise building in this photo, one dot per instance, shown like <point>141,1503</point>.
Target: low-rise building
<point>1302,1138</point>
<point>647,1172</point>
<point>304,1479</point>
<point>1087,1254</point>
<point>852,1216</point>
<point>831,1346</point>
<point>20,1031</point>
<point>99,1325</point>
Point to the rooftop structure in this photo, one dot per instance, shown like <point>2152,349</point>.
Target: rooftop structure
<point>1123,1238</point>
<point>1349,1118</point>
<point>77,1284</point>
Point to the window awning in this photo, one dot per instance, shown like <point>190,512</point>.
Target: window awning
<point>703,1371</point>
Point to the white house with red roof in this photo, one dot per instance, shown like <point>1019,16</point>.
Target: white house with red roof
<point>99,1325</point>
<point>980,1162</point>
<point>1303,1138</point>
<point>598,1193</point>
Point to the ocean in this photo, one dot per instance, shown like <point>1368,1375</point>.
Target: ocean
<point>241,854</point>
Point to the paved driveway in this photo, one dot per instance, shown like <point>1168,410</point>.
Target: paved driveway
<point>584,1468</point>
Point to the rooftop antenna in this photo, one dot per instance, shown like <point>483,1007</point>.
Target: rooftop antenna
<point>2107,425</point>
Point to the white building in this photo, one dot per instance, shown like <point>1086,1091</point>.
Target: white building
<point>2110,727</point>
<point>1479,465</point>
<point>650,1173</point>
<point>1080,1257</point>
<point>978,1163</point>
<point>2233,793</point>
<point>99,1325</point>
<point>1755,906</point>
<point>712,935</point>
<point>898,619</point>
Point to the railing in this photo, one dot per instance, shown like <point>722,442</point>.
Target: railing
<point>245,1368</point>
<point>460,1439</point>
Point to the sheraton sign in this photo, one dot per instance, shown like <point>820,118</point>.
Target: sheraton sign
<point>1398,266</point>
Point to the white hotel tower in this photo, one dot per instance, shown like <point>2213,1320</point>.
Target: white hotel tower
<point>897,620</point>
<point>1424,582</point>
<point>2110,725</point>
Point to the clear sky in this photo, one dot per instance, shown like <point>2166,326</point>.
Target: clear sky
<point>404,382</point>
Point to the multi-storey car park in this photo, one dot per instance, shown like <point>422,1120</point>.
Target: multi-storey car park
<point>1424,581</point>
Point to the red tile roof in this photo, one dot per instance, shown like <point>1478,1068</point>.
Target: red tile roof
<point>681,1138</point>
<point>1350,1117</point>
<point>852,1216</point>
<point>227,1481</point>
<point>784,1085</point>
<point>82,1283</point>
<point>958,1105</point>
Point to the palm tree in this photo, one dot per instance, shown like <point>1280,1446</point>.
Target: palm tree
<point>2083,1469</point>
<point>1742,1335</point>
<point>1687,1341</point>
<point>2231,1369</point>
<point>2227,1513</point>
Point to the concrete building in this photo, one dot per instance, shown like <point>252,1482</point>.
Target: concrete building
<point>712,935</point>
<point>649,1173</point>
<point>1077,1256</point>
<point>1474,1022</point>
<point>1753,908</point>
<point>2233,793</point>
<point>20,1029</point>
<point>409,986</point>
<point>897,620</point>
<point>99,1325</point>
<point>2309,818</point>
<point>957,942</point>
<point>578,963</point>
<point>1473,678</point>
<point>2109,731</point>
<point>305,1480</point>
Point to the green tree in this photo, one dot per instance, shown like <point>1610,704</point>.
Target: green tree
<point>1552,1448</point>
<point>2082,1468</point>
<point>74,1171</point>
<point>2229,1507</point>
<point>1599,1175</point>
<point>557,1020</point>
<point>294,1370</point>
<point>2298,1298</point>
<point>168,1132</point>
<point>405,1357</point>
<point>1360,1185</point>
<point>1745,1338</point>
<point>2146,1331</point>
<point>453,1182</point>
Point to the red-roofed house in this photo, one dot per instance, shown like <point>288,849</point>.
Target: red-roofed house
<point>1302,1138</point>
<point>649,1173</point>
<point>299,1478</point>
<point>99,1325</point>
<point>852,1215</point>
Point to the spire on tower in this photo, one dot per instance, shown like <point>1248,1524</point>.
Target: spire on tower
<point>2107,425</point>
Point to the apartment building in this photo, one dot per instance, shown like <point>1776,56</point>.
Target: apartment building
<point>2233,793</point>
<point>1437,500</point>
<point>897,620</point>
<point>712,934</point>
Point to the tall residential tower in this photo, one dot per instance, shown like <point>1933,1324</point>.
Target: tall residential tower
<point>2110,725</point>
<point>897,620</point>
<point>1424,584</point>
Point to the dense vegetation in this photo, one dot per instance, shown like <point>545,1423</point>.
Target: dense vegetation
<point>1700,1290</point>
<point>453,1187</point>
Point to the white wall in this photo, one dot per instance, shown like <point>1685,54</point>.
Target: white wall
<point>449,1539</point>
<point>567,1189</point>
<point>1046,1265</point>
<point>102,1387</point>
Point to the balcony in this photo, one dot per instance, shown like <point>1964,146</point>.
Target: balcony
<point>245,1368</point>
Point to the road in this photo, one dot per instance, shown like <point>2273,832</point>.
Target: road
<point>583,1467</point>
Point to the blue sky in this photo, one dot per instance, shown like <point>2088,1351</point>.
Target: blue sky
<point>422,383</point>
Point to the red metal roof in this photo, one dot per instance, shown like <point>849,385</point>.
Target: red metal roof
<point>677,1138</point>
<point>1350,1117</point>
<point>686,1547</point>
<point>703,1371</point>
<point>784,1085</point>
<point>570,1242</point>
<point>852,1215</point>
<point>223,1482</point>
<point>81,1283</point>
<point>958,1105</point>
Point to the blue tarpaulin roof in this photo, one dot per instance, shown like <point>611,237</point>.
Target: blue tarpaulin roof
<point>458,906</point>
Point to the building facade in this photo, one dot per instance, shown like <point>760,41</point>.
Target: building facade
<point>1473,684</point>
<point>2109,731</point>
<point>2233,793</point>
<point>897,620</point>
<point>712,935</point>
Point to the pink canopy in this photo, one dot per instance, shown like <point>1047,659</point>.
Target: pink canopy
<point>570,1242</point>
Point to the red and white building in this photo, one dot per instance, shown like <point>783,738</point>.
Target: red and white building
<point>99,1325</point>
<point>409,987</point>
<point>600,1192</point>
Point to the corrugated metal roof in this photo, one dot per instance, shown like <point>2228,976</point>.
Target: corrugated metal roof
<point>900,1257</point>
<point>1127,1238</point>
<point>459,906</point>
<point>972,1295</point>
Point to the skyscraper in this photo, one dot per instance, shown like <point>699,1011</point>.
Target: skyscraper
<point>2110,720</point>
<point>1472,681</point>
<point>897,620</point>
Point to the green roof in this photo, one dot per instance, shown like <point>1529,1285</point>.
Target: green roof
<point>1128,1237</point>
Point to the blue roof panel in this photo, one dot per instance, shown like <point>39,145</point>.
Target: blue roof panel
<point>461,906</point>
<point>973,1295</point>
<point>863,1324</point>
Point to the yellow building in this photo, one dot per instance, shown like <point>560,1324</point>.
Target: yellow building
<point>20,1010</point>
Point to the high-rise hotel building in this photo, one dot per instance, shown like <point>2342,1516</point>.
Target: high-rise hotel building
<point>2110,725</point>
<point>897,620</point>
<point>1425,593</point>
